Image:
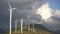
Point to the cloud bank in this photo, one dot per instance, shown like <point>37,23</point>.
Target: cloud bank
<point>44,11</point>
<point>24,9</point>
<point>48,18</point>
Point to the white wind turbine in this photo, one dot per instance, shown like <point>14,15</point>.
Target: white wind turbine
<point>34,6</point>
<point>11,9</point>
<point>28,21</point>
<point>22,25</point>
<point>16,25</point>
<point>34,21</point>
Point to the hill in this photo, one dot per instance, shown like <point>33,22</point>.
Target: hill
<point>56,31</point>
<point>39,29</point>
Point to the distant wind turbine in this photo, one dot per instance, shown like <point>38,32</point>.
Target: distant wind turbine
<point>11,9</point>
<point>28,23</point>
<point>34,7</point>
<point>22,25</point>
<point>16,25</point>
<point>33,25</point>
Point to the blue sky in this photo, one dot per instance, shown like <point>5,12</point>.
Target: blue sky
<point>54,4</point>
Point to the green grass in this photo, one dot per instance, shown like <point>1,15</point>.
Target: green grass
<point>39,29</point>
<point>26,31</point>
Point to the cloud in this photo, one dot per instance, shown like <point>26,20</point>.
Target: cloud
<point>54,21</point>
<point>45,11</point>
<point>26,3</point>
<point>24,10</point>
<point>57,13</point>
<point>50,20</point>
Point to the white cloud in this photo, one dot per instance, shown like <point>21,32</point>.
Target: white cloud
<point>44,11</point>
<point>53,22</point>
<point>57,13</point>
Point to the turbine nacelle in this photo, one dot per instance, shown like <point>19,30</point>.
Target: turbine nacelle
<point>12,8</point>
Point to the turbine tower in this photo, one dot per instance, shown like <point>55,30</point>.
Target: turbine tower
<point>33,25</point>
<point>16,25</point>
<point>28,23</point>
<point>10,16</point>
<point>11,9</point>
<point>34,7</point>
<point>22,25</point>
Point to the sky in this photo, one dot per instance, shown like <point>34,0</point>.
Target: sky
<point>46,12</point>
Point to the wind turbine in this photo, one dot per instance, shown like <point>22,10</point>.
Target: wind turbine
<point>28,23</point>
<point>35,4</point>
<point>33,25</point>
<point>16,25</point>
<point>22,25</point>
<point>11,9</point>
<point>33,7</point>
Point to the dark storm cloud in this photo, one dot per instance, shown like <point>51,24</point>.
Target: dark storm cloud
<point>4,14</point>
<point>25,4</point>
<point>55,18</point>
<point>24,9</point>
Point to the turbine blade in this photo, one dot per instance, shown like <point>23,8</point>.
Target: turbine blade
<point>9,5</point>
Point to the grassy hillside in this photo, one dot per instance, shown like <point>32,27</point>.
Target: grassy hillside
<point>39,29</point>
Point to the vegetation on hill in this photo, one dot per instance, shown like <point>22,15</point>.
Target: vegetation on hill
<point>39,29</point>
